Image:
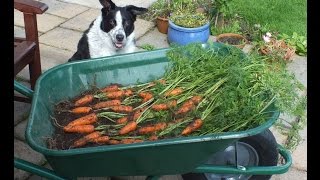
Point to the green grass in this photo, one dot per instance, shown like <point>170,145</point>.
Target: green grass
<point>283,16</point>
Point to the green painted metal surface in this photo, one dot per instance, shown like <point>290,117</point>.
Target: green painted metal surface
<point>170,156</point>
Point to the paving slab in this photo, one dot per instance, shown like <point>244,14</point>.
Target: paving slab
<point>299,155</point>
<point>45,21</point>
<point>52,56</point>
<point>23,151</point>
<point>62,38</point>
<point>141,27</point>
<point>292,174</point>
<point>96,4</point>
<point>65,10</point>
<point>21,111</point>
<point>299,67</point>
<point>155,38</point>
<point>20,129</point>
<point>19,32</point>
<point>82,21</point>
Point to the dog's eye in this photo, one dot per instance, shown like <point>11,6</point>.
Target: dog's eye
<point>126,23</point>
<point>112,22</point>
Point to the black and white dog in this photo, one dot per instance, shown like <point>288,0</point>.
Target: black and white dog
<point>110,33</point>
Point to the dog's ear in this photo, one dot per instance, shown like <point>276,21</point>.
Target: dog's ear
<point>136,10</point>
<point>107,4</point>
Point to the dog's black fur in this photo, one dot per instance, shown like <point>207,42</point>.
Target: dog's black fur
<point>107,29</point>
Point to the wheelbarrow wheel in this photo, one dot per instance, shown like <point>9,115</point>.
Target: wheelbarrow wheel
<point>257,150</point>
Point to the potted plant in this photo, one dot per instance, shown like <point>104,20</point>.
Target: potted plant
<point>232,39</point>
<point>188,23</point>
<point>160,12</point>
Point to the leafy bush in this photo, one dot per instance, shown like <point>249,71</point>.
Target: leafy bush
<point>299,42</point>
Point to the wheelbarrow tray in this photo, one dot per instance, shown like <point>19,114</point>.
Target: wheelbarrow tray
<point>169,156</point>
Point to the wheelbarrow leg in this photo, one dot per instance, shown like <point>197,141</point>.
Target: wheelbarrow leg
<point>153,177</point>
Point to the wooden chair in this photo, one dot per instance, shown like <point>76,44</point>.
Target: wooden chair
<point>26,50</point>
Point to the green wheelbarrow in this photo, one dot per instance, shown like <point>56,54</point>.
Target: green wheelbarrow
<point>247,154</point>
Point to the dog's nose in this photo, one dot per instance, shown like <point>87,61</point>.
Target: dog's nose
<point>119,37</point>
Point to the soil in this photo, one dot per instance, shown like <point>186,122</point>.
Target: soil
<point>62,140</point>
<point>231,40</point>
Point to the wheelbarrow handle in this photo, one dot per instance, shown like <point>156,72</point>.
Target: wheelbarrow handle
<point>35,169</point>
<point>23,89</point>
<point>254,170</point>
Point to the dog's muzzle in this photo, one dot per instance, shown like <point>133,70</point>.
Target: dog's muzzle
<point>119,42</point>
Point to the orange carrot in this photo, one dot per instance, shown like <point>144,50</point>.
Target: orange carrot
<point>146,96</point>
<point>110,88</point>
<point>101,140</point>
<point>196,124</point>
<point>131,126</point>
<point>174,92</point>
<point>115,94</point>
<point>160,107</point>
<point>184,109</point>
<point>152,128</point>
<point>146,130</point>
<point>137,113</point>
<point>121,108</point>
<point>79,129</point>
<point>122,120</point>
<point>130,141</point>
<point>81,110</point>
<point>153,138</point>
<point>105,104</point>
<point>127,141</point>
<point>88,138</point>
<point>88,119</point>
<point>196,99</point>
<point>113,142</point>
<point>84,100</point>
<point>128,92</point>
<point>160,126</point>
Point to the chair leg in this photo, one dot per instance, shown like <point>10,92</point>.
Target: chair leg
<point>35,69</point>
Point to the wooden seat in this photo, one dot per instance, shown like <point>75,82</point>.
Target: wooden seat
<point>26,50</point>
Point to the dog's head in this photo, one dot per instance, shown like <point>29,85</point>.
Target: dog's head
<point>118,22</point>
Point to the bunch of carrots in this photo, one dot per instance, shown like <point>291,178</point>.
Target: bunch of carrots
<point>133,114</point>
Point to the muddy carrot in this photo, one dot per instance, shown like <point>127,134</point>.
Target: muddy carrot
<point>137,113</point>
<point>81,110</point>
<point>105,104</point>
<point>113,142</point>
<point>160,107</point>
<point>114,94</point>
<point>146,130</point>
<point>111,88</point>
<point>128,92</point>
<point>152,128</point>
<point>122,120</point>
<point>196,99</point>
<point>131,126</point>
<point>184,109</point>
<point>101,140</point>
<point>121,108</point>
<point>88,119</point>
<point>146,96</point>
<point>130,141</point>
<point>153,138</point>
<point>88,138</point>
<point>196,124</point>
<point>173,92</point>
<point>79,129</point>
<point>84,100</point>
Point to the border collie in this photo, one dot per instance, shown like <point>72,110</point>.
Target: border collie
<point>110,33</point>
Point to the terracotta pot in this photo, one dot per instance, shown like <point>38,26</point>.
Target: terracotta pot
<point>162,25</point>
<point>232,35</point>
